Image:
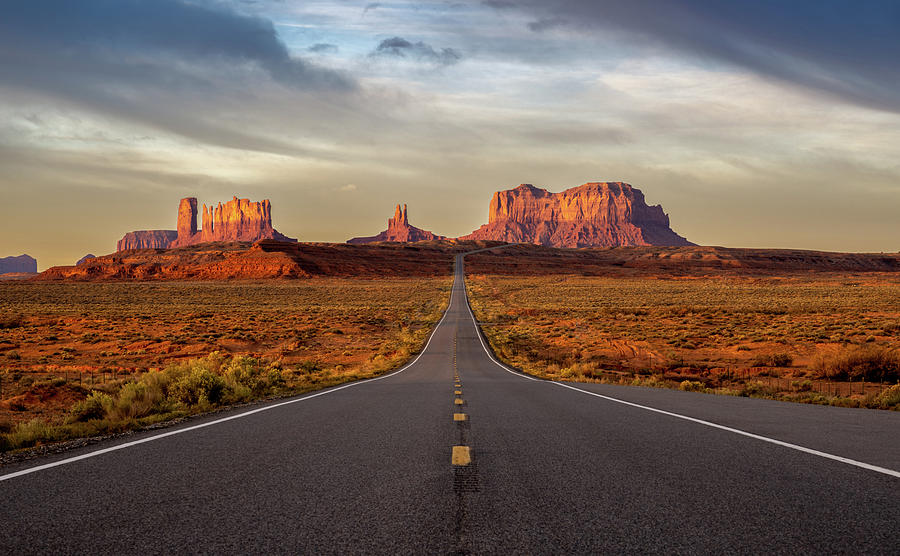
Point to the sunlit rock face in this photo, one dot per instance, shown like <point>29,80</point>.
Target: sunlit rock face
<point>239,220</point>
<point>236,220</point>
<point>597,214</point>
<point>399,230</point>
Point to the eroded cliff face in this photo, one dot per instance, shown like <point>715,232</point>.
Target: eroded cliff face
<point>236,220</point>
<point>598,214</point>
<point>239,220</point>
<point>399,230</point>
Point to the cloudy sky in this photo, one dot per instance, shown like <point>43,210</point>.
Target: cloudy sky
<point>754,124</point>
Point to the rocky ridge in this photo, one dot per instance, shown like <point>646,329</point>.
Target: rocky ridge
<point>399,230</point>
<point>265,259</point>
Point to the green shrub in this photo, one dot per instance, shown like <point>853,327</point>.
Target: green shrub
<point>29,434</point>
<point>275,378</point>
<point>755,389</point>
<point>691,386</point>
<point>888,399</point>
<point>92,407</point>
<point>136,399</point>
<point>199,385</point>
<point>245,371</point>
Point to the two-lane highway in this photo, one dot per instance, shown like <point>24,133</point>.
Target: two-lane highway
<point>456,454</point>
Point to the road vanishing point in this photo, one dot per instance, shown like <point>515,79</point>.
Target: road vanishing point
<point>457,454</point>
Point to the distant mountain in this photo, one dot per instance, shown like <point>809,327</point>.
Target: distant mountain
<point>399,230</point>
<point>20,264</point>
<point>85,259</point>
<point>598,214</point>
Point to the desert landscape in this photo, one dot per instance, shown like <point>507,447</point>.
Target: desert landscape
<point>828,340</point>
<point>594,288</point>
<point>97,358</point>
<point>462,278</point>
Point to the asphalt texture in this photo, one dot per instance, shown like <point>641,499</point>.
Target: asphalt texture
<point>366,469</point>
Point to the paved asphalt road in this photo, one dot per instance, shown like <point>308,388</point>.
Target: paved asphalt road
<point>367,468</point>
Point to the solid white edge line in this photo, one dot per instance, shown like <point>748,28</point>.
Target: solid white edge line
<point>231,417</point>
<point>478,330</point>
<point>826,455</point>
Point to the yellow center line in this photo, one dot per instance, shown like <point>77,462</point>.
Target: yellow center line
<point>460,416</point>
<point>458,392</point>
<point>461,456</point>
<point>458,401</point>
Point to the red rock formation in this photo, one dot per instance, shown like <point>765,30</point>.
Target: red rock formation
<point>399,230</point>
<point>262,260</point>
<point>239,220</point>
<point>147,239</point>
<point>20,264</point>
<point>603,214</point>
<point>86,258</point>
<point>236,220</point>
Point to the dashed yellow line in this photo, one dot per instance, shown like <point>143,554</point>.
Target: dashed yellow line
<point>461,456</point>
<point>458,392</point>
<point>458,401</point>
<point>460,417</point>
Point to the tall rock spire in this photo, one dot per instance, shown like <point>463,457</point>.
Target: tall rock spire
<point>399,230</point>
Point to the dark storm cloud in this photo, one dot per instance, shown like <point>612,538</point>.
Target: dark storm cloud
<point>153,61</point>
<point>848,49</point>
<point>545,23</point>
<point>402,48</point>
<point>323,47</point>
<point>105,30</point>
<point>499,4</point>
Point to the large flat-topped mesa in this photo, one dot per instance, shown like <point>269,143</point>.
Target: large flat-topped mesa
<point>597,214</point>
<point>147,239</point>
<point>236,220</point>
<point>20,264</point>
<point>399,230</point>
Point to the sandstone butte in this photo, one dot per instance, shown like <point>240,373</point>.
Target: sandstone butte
<point>399,230</point>
<point>599,214</point>
<point>236,220</point>
<point>23,264</point>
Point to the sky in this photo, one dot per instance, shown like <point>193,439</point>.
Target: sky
<point>763,124</point>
